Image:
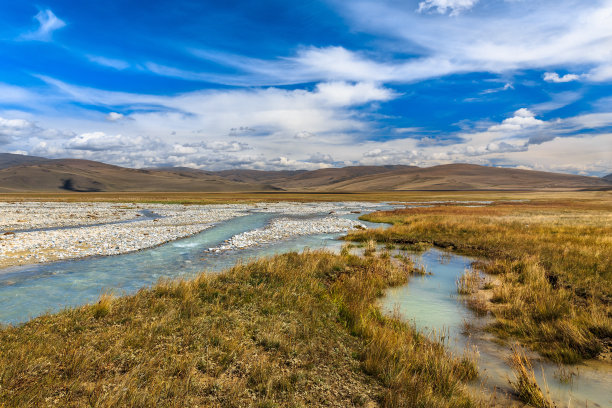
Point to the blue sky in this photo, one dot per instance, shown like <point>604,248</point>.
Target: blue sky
<point>310,84</point>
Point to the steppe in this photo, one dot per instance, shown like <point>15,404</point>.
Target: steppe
<point>305,329</point>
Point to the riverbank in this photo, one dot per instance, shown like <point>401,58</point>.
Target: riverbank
<point>291,330</point>
<point>45,232</point>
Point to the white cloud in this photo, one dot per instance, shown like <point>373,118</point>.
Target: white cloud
<point>272,111</point>
<point>114,116</point>
<point>509,36</point>
<point>523,118</point>
<point>347,94</point>
<point>10,94</point>
<point>47,24</point>
<point>109,62</point>
<point>505,37</point>
<point>506,87</point>
<point>601,73</point>
<point>442,6</point>
<point>231,146</point>
<point>262,120</point>
<point>407,130</point>
<point>13,128</point>
<point>319,157</point>
<point>521,140</point>
<point>554,77</point>
<point>97,141</point>
<point>303,134</point>
<point>199,122</point>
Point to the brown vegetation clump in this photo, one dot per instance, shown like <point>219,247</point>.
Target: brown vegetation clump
<point>525,384</point>
<point>552,261</point>
<point>293,330</point>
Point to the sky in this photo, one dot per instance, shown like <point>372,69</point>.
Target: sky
<point>309,84</point>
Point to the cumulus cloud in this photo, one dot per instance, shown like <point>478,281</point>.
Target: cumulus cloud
<point>523,118</point>
<point>269,117</point>
<point>231,146</point>
<point>443,6</point>
<point>554,77</point>
<point>494,147</point>
<point>114,116</point>
<point>276,114</point>
<point>341,93</point>
<point>97,141</point>
<point>16,129</point>
<point>12,128</point>
<point>531,146</point>
<point>319,157</point>
<point>47,24</point>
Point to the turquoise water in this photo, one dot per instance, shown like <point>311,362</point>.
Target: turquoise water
<point>432,305</point>
<point>32,290</point>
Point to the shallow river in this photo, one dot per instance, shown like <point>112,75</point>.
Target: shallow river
<point>29,291</point>
<point>432,304</point>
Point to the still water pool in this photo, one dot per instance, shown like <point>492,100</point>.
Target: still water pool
<point>431,303</point>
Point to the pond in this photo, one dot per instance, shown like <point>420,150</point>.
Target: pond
<point>431,303</point>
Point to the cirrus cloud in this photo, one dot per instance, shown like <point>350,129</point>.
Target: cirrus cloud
<point>47,24</point>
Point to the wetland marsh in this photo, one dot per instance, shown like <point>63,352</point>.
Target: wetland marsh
<point>464,364</point>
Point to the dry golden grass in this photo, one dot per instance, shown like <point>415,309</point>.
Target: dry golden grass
<point>525,384</point>
<point>553,259</point>
<point>292,330</point>
<point>469,282</point>
<point>250,197</point>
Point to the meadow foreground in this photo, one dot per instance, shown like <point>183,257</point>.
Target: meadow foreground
<point>292,330</point>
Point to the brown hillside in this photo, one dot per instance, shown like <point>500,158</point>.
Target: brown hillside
<point>39,174</point>
<point>85,175</point>
<point>454,177</point>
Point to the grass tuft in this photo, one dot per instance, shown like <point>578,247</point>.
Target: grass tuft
<point>525,384</point>
<point>103,306</point>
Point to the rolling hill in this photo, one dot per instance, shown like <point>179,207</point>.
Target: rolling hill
<point>29,173</point>
<point>465,177</point>
<point>89,176</point>
<point>10,160</point>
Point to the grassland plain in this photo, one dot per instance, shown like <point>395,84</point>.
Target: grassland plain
<point>291,330</point>
<point>253,197</point>
<point>548,264</point>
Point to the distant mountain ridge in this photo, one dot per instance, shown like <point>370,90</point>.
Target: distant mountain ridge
<point>20,173</point>
<point>10,160</point>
